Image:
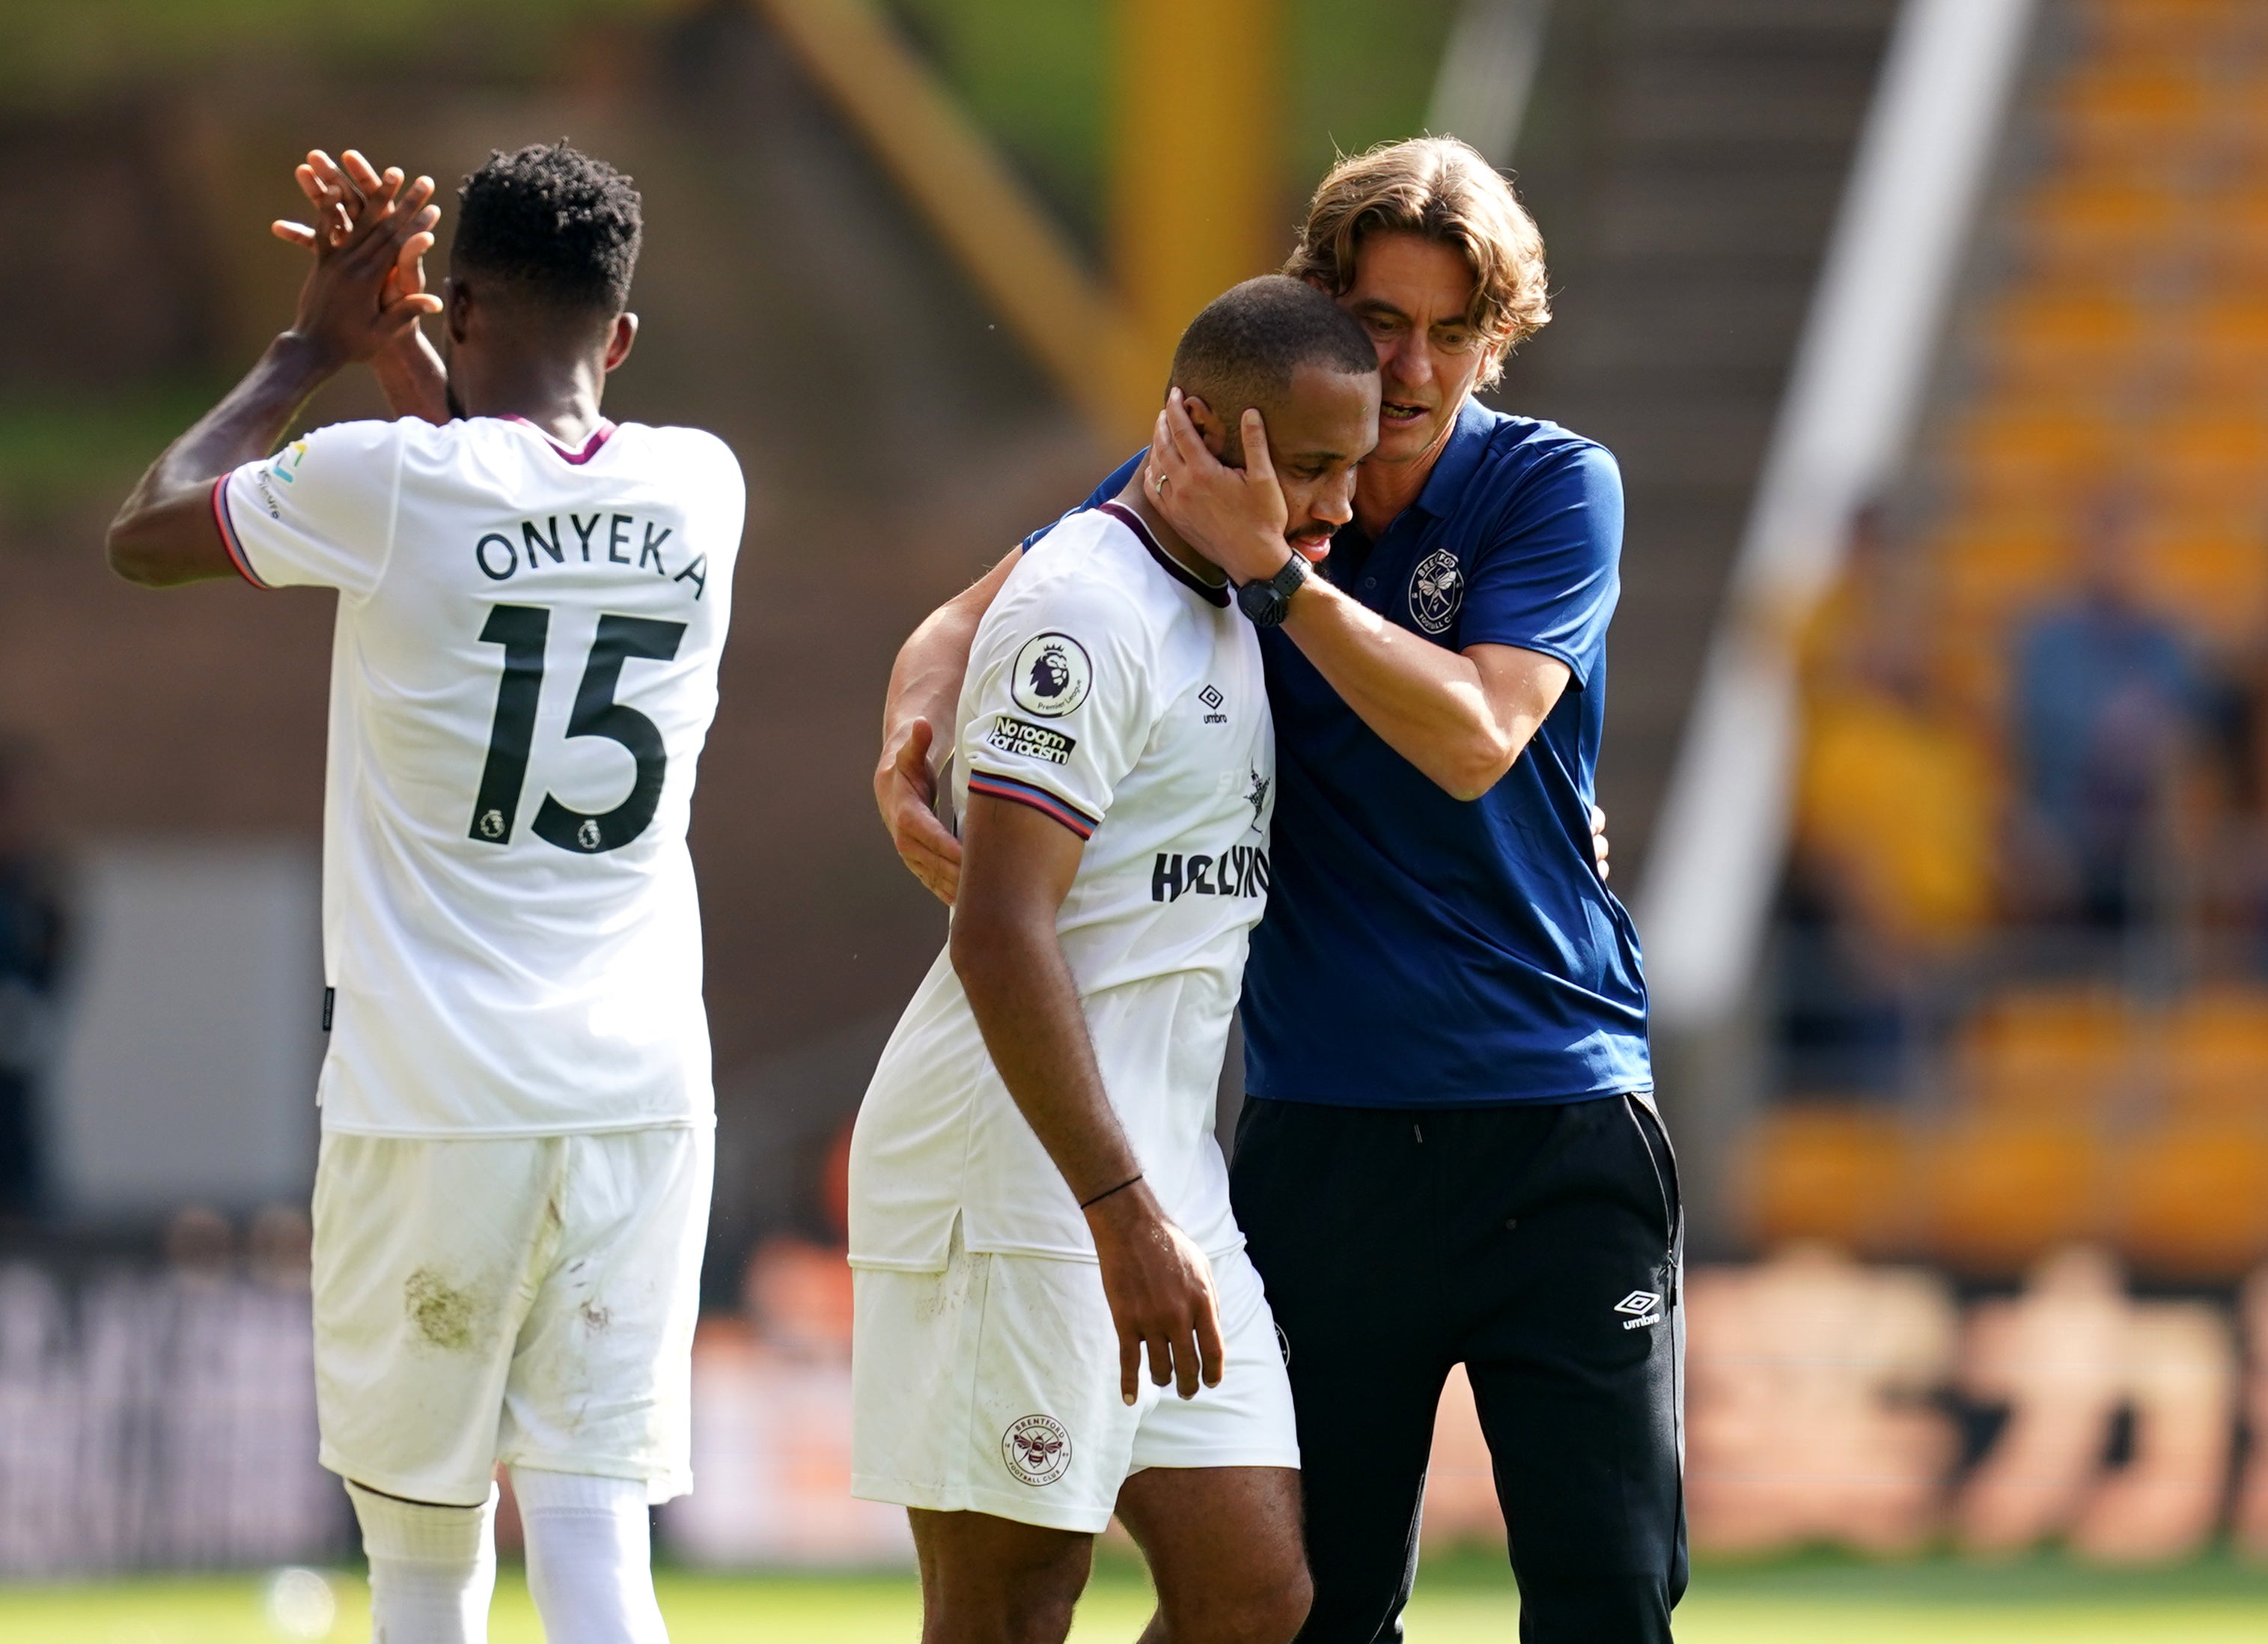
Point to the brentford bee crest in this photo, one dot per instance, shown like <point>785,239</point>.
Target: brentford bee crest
<point>1037,1450</point>
<point>1052,676</point>
<point>1437,588</point>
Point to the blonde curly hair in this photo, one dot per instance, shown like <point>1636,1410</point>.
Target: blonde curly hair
<point>1439,189</point>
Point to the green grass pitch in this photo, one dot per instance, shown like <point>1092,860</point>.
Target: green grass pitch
<point>1464,1601</point>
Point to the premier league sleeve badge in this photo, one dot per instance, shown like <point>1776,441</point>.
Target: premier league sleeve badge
<point>1052,675</point>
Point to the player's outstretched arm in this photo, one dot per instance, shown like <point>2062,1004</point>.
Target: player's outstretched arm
<point>345,193</point>
<point>166,533</point>
<point>924,693</point>
<point>1019,866</point>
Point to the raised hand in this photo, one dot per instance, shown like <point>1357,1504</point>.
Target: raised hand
<point>1234,517</point>
<point>334,217</point>
<point>350,306</point>
<point>347,193</point>
<point>338,205</point>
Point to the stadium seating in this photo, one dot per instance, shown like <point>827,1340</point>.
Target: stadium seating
<point>2112,342</point>
<point>2193,1197</point>
<point>2048,1051</point>
<point>2001,1190</point>
<point>2215,1055</point>
<point>1831,1172</point>
<point>2059,338</point>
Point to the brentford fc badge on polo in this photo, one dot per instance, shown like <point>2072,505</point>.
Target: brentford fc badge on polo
<point>1037,1450</point>
<point>1437,588</point>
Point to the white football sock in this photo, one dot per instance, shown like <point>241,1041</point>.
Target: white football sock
<point>590,1561</point>
<point>432,1569</point>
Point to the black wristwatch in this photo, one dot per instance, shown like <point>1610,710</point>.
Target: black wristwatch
<point>1265,602</point>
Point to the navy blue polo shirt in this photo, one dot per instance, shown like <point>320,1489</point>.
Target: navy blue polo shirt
<point>1424,951</point>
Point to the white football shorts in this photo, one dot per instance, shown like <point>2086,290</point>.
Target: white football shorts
<point>526,1299</point>
<point>992,1387</point>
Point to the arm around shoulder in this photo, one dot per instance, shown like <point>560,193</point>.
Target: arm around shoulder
<point>924,692</point>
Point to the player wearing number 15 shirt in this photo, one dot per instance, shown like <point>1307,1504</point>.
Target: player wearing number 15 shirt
<point>523,669</point>
<point>512,1193</point>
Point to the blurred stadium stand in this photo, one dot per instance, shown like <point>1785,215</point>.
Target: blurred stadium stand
<point>163,1419</point>
<point>1684,161</point>
<point>2019,987</point>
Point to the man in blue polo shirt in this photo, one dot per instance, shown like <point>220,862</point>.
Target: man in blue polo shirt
<point>1449,1153</point>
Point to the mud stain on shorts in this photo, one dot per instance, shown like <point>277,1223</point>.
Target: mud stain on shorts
<point>442,1314</point>
<point>594,1316</point>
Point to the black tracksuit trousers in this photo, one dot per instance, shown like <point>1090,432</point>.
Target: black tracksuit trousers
<point>1537,1245</point>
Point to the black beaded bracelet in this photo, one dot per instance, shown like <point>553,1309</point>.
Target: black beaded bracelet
<point>1108,1191</point>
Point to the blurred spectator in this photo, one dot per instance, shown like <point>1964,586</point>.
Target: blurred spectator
<point>1894,859</point>
<point>277,1247</point>
<point>798,1295</point>
<point>2227,817</point>
<point>2105,696</point>
<point>796,1291</point>
<point>1896,804</point>
<point>834,1185</point>
<point>31,949</point>
<point>200,1245</point>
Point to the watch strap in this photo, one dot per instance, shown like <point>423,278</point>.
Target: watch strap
<point>1266,602</point>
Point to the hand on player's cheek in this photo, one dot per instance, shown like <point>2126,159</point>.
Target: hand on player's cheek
<point>1230,511</point>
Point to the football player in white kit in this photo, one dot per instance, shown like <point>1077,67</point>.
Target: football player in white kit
<point>1036,1197</point>
<point>517,1113</point>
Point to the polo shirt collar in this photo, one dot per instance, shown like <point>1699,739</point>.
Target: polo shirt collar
<point>1444,490</point>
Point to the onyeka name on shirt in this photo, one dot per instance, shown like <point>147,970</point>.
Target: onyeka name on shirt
<point>611,539</point>
<point>1239,871</point>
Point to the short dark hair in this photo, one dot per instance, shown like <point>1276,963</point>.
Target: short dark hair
<point>1244,345</point>
<point>550,219</point>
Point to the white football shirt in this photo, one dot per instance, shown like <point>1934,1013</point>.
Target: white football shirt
<point>522,675</point>
<point>1115,692</point>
